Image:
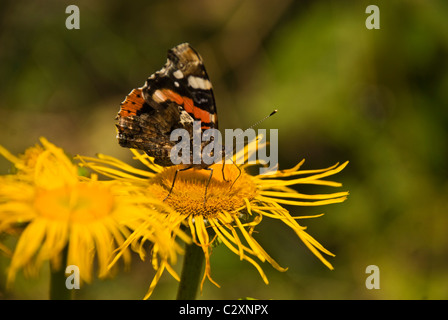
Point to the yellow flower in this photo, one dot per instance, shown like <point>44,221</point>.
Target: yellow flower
<point>231,212</point>
<point>24,163</point>
<point>61,210</point>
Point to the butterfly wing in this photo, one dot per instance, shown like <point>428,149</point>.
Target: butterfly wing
<point>173,97</point>
<point>185,81</point>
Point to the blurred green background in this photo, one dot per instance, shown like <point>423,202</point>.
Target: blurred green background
<point>378,98</point>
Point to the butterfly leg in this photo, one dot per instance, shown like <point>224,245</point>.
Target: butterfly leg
<point>174,180</point>
<point>239,174</point>
<point>224,158</point>
<point>223,175</point>
<point>208,182</point>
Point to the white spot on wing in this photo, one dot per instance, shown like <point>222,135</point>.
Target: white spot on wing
<point>185,118</point>
<point>199,83</point>
<point>178,74</point>
<point>158,96</point>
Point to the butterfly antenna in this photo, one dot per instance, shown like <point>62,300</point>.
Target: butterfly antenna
<point>234,147</point>
<point>260,121</point>
<point>254,125</point>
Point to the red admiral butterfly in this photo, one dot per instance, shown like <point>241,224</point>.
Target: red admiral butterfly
<point>172,98</point>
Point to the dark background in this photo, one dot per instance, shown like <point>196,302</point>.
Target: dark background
<point>377,98</point>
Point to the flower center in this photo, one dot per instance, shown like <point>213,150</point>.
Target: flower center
<point>81,203</point>
<point>189,189</point>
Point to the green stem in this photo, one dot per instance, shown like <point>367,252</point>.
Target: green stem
<point>191,272</point>
<point>58,289</point>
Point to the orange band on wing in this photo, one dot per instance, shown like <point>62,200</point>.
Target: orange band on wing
<point>188,104</point>
<point>173,96</point>
<point>132,103</point>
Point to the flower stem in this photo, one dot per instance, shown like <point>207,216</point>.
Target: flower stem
<point>58,289</point>
<point>191,272</point>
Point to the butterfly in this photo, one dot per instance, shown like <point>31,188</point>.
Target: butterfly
<point>172,98</point>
